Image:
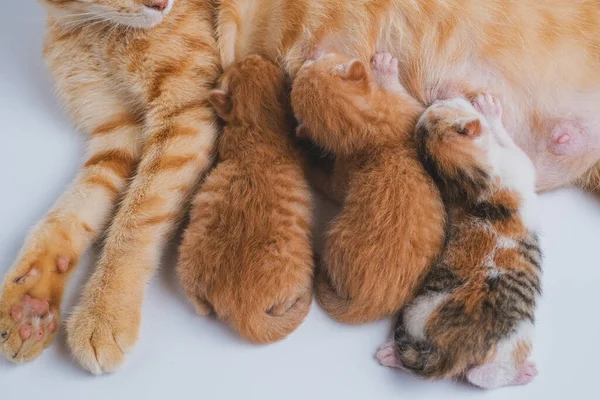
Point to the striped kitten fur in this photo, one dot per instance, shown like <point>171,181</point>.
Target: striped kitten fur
<point>474,314</point>
<point>246,254</point>
<point>391,227</point>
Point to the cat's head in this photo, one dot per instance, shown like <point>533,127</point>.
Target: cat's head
<point>143,14</point>
<point>454,143</point>
<point>249,90</point>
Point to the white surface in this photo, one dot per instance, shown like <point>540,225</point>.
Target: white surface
<point>181,355</point>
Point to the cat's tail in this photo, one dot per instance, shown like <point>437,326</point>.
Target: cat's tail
<point>275,323</point>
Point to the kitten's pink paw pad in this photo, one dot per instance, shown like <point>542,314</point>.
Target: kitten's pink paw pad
<point>488,105</point>
<point>386,355</point>
<point>569,137</point>
<point>526,374</point>
<point>385,66</point>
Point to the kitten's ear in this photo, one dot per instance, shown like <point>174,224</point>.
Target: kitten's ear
<point>221,101</point>
<point>468,126</point>
<point>355,70</point>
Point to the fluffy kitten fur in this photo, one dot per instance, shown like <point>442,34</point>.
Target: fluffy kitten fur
<point>391,226</point>
<point>246,254</point>
<point>141,97</point>
<point>474,314</point>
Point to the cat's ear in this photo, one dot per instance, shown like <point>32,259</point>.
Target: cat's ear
<point>468,126</point>
<point>221,101</point>
<point>355,70</point>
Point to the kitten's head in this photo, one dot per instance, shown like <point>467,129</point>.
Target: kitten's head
<point>331,88</point>
<point>454,142</point>
<point>143,14</point>
<point>250,90</point>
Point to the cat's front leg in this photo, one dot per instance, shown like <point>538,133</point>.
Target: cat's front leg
<point>179,142</point>
<point>33,289</point>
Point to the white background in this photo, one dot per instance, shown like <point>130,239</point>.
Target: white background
<point>181,355</point>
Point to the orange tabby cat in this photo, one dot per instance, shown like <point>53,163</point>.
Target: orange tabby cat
<point>140,95</point>
<point>135,76</point>
<point>391,227</point>
<point>246,254</point>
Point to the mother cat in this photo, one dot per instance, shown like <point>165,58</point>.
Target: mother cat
<point>135,75</point>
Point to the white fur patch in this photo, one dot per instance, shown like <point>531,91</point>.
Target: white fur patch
<point>417,315</point>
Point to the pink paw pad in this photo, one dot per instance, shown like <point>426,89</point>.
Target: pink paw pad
<point>62,264</point>
<point>386,355</point>
<point>34,318</point>
<point>569,137</point>
<point>526,374</point>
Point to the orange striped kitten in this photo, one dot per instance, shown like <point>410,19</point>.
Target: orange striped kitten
<point>391,227</point>
<point>247,254</point>
<point>474,314</point>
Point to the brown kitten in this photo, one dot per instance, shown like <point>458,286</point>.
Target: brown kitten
<point>246,254</point>
<point>391,227</point>
<point>474,314</point>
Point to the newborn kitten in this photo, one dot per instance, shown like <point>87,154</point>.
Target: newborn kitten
<point>246,255</point>
<point>474,314</point>
<point>391,227</point>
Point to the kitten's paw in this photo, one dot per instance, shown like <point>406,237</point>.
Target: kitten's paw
<point>386,355</point>
<point>569,138</point>
<point>385,70</point>
<point>526,373</point>
<point>489,106</point>
<point>100,336</point>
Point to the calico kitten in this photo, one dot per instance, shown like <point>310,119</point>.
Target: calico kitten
<point>391,226</point>
<point>246,255</point>
<point>474,314</point>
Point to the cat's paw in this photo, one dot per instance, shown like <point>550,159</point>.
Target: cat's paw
<point>569,137</point>
<point>31,295</point>
<point>488,106</point>
<point>27,329</point>
<point>101,335</point>
<point>386,355</point>
<point>385,70</point>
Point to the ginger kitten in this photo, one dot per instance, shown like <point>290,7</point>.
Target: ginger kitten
<point>391,227</point>
<point>474,314</point>
<point>246,255</point>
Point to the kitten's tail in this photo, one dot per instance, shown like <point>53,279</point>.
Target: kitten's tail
<point>273,324</point>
